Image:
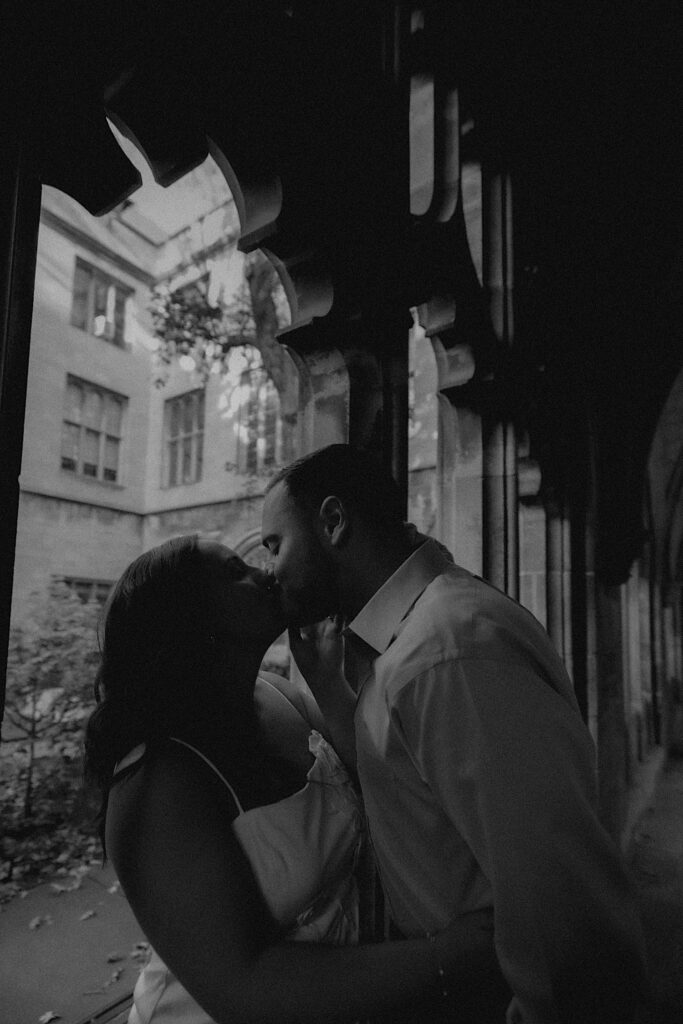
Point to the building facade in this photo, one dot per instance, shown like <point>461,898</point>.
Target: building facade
<point>120,451</point>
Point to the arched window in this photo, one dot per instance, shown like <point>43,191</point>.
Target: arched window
<point>259,437</point>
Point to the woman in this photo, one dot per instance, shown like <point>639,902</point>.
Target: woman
<point>232,824</point>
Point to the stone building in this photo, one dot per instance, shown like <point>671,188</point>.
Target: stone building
<point>112,462</point>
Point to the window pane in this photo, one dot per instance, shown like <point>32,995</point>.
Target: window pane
<point>187,460</point>
<point>199,456</point>
<point>70,436</point>
<point>173,464</point>
<point>188,413</point>
<point>119,316</point>
<point>73,402</point>
<point>270,424</point>
<point>83,589</point>
<point>92,409</point>
<point>79,305</point>
<point>252,430</point>
<point>91,452</point>
<point>174,407</point>
<point>111,458</point>
<point>113,408</point>
<point>100,298</point>
<point>200,411</point>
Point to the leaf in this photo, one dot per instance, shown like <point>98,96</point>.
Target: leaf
<point>140,952</point>
<point>114,888</point>
<point>45,1018</point>
<point>87,914</point>
<point>113,958</point>
<point>41,919</point>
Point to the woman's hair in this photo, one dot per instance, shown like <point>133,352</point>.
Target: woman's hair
<point>156,647</point>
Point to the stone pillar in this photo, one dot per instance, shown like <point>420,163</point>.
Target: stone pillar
<point>499,445</point>
<point>499,505</point>
<point>532,540</point>
<point>460,474</point>
<point>611,739</point>
<point>590,694</point>
<point>559,581</point>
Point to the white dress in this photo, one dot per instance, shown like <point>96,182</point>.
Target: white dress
<point>303,851</point>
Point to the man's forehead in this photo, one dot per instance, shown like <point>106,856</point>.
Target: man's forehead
<point>277,498</point>
<point>278,507</point>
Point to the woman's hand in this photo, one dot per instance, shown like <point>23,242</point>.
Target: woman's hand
<point>319,654</point>
<point>318,651</point>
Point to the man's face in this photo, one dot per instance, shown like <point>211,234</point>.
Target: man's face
<point>302,565</point>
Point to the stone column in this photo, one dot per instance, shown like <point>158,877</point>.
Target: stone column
<point>559,580</point>
<point>499,445</point>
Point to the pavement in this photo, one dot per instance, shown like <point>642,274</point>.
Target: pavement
<point>67,953</point>
<point>74,953</point>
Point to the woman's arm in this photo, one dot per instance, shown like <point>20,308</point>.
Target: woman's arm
<point>193,892</point>
<point>319,654</point>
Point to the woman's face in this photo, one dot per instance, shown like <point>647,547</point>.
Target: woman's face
<point>247,604</point>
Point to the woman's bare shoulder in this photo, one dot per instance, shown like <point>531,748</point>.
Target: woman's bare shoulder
<point>170,790</point>
<point>296,693</point>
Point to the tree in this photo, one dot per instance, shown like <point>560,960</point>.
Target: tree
<point>188,325</point>
<point>205,336</point>
<point>52,659</point>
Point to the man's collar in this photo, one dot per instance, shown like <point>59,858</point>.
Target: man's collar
<point>378,621</point>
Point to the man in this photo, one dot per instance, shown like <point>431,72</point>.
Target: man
<point>477,771</point>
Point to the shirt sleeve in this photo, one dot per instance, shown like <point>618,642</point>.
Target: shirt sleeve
<point>511,764</point>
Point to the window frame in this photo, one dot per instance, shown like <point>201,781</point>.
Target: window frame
<point>105,432</point>
<point>95,586</point>
<point>114,328</point>
<point>260,435</point>
<point>172,470</point>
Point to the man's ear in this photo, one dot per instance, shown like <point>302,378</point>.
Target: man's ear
<point>334,521</point>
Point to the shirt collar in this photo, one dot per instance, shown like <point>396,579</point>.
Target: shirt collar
<point>378,621</point>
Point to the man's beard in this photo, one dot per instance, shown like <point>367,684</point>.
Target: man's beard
<point>311,604</point>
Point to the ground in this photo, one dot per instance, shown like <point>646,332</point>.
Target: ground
<point>68,953</point>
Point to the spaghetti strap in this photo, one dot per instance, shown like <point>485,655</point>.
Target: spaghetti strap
<point>212,766</point>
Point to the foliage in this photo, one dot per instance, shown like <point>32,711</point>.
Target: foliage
<point>52,659</point>
<point>187,325</point>
<point>59,838</point>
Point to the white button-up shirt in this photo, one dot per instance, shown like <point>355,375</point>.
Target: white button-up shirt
<point>479,782</point>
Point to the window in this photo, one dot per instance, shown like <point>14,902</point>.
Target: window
<point>260,432</point>
<point>99,303</point>
<point>87,589</point>
<point>92,430</point>
<point>183,439</point>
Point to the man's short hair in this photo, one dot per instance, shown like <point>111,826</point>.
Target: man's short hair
<point>353,475</point>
